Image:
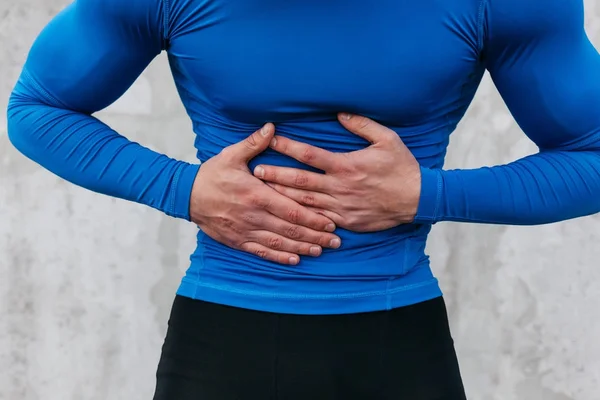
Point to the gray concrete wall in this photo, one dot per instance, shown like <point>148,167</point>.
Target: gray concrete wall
<point>86,281</point>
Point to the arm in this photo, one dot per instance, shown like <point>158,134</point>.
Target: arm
<point>84,60</point>
<point>548,73</point>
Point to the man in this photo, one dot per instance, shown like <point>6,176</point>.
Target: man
<point>344,200</point>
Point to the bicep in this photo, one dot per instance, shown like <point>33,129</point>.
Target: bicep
<point>549,76</point>
<point>91,52</point>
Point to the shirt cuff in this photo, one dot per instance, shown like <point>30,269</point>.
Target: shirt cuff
<point>183,182</point>
<point>429,201</point>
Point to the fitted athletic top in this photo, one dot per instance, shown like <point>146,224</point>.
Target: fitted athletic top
<point>413,66</point>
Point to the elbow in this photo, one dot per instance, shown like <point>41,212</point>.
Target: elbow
<point>570,181</point>
<point>17,134</point>
<point>24,118</point>
<point>589,170</point>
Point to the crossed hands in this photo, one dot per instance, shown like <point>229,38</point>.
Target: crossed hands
<point>281,213</point>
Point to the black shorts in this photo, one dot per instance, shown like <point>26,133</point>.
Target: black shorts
<point>215,352</point>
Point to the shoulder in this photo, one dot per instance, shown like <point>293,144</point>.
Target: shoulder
<point>139,12</point>
<point>136,20</point>
<point>531,18</point>
<point>516,27</point>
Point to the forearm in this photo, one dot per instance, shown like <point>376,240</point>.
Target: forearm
<point>546,187</point>
<point>86,152</point>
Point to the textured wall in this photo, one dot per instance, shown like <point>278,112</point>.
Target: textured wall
<point>86,281</point>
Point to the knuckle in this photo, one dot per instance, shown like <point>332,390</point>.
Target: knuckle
<point>363,123</point>
<point>293,232</point>
<point>226,222</point>
<point>260,202</point>
<point>251,141</point>
<point>308,199</point>
<point>275,243</point>
<point>346,170</point>
<point>293,215</point>
<point>262,253</point>
<point>307,155</point>
<point>249,218</point>
<point>344,190</point>
<point>300,179</point>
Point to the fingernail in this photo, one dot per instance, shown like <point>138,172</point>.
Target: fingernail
<point>259,171</point>
<point>293,261</point>
<point>273,142</point>
<point>315,251</point>
<point>345,116</point>
<point>330,228</point>
<point>264,131</point>
<point>335,243</point>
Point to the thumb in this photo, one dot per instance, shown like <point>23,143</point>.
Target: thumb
<point>367,128</point>
<point>253,145</point>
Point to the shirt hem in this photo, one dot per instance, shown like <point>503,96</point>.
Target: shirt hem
<point>348,303</point>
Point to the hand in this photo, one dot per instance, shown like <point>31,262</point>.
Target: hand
<point>236,209</point>
<point>367,190</point>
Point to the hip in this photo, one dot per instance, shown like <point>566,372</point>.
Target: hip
<point>213,351</point>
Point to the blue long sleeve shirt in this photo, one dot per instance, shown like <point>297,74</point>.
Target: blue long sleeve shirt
<point>413,66</point>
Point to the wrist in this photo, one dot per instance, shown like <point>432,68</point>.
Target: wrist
<point>181,191</point>
<point>430,196</point>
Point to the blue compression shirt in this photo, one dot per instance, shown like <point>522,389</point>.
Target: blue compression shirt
<point>413,66</point>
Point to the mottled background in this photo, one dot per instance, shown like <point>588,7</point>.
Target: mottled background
<point>86,281</point>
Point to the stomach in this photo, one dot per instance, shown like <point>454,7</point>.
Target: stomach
<point>385,254</point>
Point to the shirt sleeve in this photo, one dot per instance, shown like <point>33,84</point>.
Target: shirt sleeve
<point>81,62</point>
<point>548,73</point>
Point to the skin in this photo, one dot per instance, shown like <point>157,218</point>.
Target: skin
<point>237,209</point>
<point>368,190</point>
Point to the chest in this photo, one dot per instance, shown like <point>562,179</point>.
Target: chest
<point>261,59</point>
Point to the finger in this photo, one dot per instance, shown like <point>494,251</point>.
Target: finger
<point>299,233</point>
<point>305,153</point>
<point>283,244</point>
<point>305,197</point>
<point>336,218</point>
<point>288,210</point>
<point>252,146</point>
<point>293,177</point>
<point>265,253</point>
<point>367,128</point>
